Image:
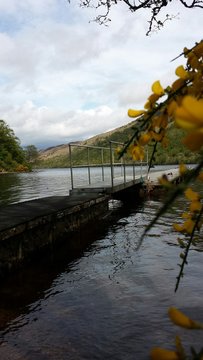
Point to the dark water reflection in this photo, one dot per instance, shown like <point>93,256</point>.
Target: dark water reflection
<point>10,188</point>
<point>27,186</point>
<point>108,301</point>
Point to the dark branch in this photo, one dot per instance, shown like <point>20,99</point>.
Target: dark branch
<point>155,6</point>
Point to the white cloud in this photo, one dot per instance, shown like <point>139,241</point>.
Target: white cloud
<point>63,78</point>
<point>44,126</point>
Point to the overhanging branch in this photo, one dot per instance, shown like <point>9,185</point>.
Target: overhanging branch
<point>155,6</point>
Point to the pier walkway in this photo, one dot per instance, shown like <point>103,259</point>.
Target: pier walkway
<point>11,216</point>
<point>30,226</point>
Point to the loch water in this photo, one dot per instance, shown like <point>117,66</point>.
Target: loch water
<point>108,300</point>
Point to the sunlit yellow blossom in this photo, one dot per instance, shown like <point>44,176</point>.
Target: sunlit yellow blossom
<point>188,226</point>
<point>191,194</point>
<point>144,139</point>
<point>180,319</point>
<point>190,114</point>
<point>181,72</point>
<point>195,206</point>
<point>135,113</point>
<point>157,88</point>
<point>163,354</point>
<point>136,152</point>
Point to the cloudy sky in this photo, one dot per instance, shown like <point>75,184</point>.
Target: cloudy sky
<point>64,78</point>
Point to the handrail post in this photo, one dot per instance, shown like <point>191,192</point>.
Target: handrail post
<point>111,164</point>
<point>124,169</point>
<point>121,166</point>
<point>141,169</point>
<point>147,174</point>
<point>102,161</point>
<point>133,170</point>
<point>71,168</point>
<point>88,162</point>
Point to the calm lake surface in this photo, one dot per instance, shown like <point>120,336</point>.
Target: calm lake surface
<point>107,301</point>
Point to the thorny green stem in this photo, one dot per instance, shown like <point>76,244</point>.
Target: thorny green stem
<point>187,249</point>
<point>152,157</point>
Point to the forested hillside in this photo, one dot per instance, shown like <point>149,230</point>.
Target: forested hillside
<point>12,156</point>
<point>174,153</point>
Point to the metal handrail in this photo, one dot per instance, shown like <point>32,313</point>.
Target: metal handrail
<point>111,163</point>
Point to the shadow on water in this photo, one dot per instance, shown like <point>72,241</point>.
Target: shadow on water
<point>34,280</point>
<point>104,300</point>
<point>10,188</point>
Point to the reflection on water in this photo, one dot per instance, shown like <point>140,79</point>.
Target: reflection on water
<point>108,301</point>
<point>37,184</point>
<point>10,188</point>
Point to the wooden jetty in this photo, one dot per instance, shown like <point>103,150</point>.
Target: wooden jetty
<point>29,227</point>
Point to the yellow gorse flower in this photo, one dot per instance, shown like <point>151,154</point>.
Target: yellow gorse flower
<point>191,195</point>
<point>157,88</point>
<point>195,206</point>
<point>181,72</point>
<point>137,152</point>
<point>135,113</point>
<point>180,319</point>
<point>189,116</point>
<point>186,227</point>
<point>144,139</point>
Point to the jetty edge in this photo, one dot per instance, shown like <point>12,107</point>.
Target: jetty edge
<point>30,227</point>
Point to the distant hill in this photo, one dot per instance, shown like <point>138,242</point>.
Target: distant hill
<point>58,156</point>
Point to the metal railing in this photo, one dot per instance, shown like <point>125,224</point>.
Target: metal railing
<point>107,160</point>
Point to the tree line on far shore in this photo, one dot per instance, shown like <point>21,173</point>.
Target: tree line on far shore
<point>12,156</point>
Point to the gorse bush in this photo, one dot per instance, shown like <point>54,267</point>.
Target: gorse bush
<point>180,105</point>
